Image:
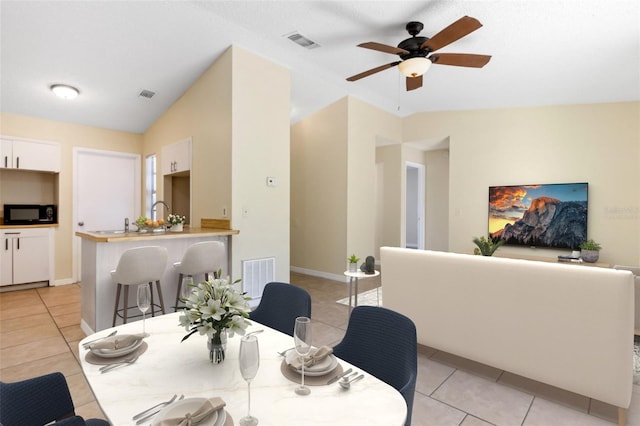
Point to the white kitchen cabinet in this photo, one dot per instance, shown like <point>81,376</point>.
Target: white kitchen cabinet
<point>25,256</point>
<point>176,157</point>
<point>30,155</point>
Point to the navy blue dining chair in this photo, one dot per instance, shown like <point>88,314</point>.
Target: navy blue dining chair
<point>280,305</point>
<point>40,400</point>
<point>383,343</point>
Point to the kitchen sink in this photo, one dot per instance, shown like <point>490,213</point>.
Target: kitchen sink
<point>115,231</point>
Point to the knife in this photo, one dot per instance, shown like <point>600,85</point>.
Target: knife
<point>338,377</point>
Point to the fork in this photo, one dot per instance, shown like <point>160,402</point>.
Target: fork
<point>284,353</point>
<point>162,404</point>
<point>153,413</point>
<point>130,360</point>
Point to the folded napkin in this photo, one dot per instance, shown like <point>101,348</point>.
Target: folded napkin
<point>207,408</point>
<point>313,358</point>
<point>116,342</point>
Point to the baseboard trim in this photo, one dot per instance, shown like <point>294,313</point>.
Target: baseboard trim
<point>321,274</point>
<point>85,327</point>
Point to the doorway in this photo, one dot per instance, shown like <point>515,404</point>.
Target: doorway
<point>106,190</point>
<point>414,205</point>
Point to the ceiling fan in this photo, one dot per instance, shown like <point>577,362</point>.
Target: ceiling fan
<point>416,53</point>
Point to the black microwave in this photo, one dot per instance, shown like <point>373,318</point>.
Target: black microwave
<point>30,214</point>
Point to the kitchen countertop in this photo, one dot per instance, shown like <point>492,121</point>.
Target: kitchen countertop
<point>43,225</point>
<point>120,236</point>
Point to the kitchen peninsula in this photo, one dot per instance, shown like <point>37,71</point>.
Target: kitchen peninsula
<point>101,251</point>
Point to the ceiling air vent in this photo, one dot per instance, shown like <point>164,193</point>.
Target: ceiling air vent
<point>301,40</point>
<point>147,94</point>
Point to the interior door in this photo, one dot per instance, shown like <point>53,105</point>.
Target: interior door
<point>106,191</point>
<point>414,206</point>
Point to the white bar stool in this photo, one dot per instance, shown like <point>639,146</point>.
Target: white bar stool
<point>139,266</point>
<point>200,258</point>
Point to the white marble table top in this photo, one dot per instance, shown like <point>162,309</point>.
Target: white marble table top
<point>170,367</point>
<point>360,274</point>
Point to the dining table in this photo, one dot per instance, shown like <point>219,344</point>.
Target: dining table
<point>169,366</point>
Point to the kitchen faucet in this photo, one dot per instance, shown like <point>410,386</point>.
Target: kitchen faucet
<point>166,206</point>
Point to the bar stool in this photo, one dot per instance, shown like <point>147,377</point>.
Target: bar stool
<point>200,258</point>
<point>139,266</point>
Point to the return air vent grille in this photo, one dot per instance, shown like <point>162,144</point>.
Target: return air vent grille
<point>301,40</point>
<point>147,94</point>
<point>256,273</point>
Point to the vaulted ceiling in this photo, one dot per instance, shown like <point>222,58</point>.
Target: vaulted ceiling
<point>543,53</point>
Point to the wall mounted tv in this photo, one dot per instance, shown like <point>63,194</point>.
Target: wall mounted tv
<point>548,215</point>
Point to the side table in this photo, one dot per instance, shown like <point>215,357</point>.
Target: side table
<point>353,277</point>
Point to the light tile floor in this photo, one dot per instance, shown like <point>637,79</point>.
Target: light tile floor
<point>40,330</point>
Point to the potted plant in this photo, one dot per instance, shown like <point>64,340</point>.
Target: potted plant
<point>590,251</point>
<point>352,263</point>
<point>486,246</point>
<point>176,221</point>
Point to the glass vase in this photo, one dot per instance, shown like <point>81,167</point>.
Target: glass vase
<point>217,346</point>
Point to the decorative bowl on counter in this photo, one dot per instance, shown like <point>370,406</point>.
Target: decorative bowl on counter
<point>145,224</point>
<point>145,229</point>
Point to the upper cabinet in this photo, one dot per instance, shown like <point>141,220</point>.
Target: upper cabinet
<point>29,155</point>
<point>176,157</point>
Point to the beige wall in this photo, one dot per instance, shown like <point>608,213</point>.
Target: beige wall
<point>69,136</point>
<point>437,200</point>
<point>204,114</point>
<point>390,229</point>
<point>598,144</point>
<point>334,187</point>
<point>319,190</point>
<point>390,209</point>
<point>261,108</point>
<point>367,124</point>
<point>227,112</point>
<point>239,125</point>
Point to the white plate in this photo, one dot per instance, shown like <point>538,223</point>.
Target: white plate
<point>189,405</point>
<point>115,353</point>
<point>320,369</point>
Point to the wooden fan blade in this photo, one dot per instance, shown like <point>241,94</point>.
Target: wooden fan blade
<point>460,59</point>
<point>372,71</point>
<point>453,32</point>
<point>414,83</point>
<point>383,48</point>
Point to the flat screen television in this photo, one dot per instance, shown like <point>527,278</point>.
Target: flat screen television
<point>546,215</point>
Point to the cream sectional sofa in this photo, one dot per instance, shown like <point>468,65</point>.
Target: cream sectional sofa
<point>566,325</point>
<point>635,270</point>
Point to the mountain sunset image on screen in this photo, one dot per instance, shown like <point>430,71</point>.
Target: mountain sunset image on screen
<point>548,215</point>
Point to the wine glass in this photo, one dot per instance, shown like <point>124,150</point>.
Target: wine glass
<point>144,303</point>
<point>249,362</point>
<point>187,287</point>
<point>302,341</point>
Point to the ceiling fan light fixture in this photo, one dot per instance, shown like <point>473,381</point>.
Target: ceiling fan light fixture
<point>414,67</point>
<point>65,91</point>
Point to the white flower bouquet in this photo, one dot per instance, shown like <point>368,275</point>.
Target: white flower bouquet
<point>214,306</point>
<point>176,219</point>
